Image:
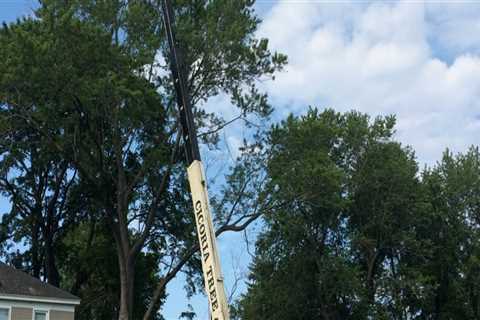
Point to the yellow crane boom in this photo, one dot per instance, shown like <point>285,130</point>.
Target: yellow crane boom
<point>212,273</point>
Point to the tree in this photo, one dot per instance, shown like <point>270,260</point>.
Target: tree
<point>450,270</point>
<point>90,270</point>
<point>321,254</point>
<point>361,233</point>
<point>85,77</point>
<point>384,205</point>
<point>33,175</point>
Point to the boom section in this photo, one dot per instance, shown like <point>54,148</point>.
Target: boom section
<point>212,274</point>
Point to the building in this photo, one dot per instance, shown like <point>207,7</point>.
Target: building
<point>23,297</point>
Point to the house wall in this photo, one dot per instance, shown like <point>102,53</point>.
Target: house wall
<point>24,310</point>
<point>21,313</point>
<point>61,315</point>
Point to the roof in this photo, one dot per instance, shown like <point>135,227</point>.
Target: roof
<point>18,284</point>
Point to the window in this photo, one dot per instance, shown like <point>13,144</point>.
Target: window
<point>40,315</point>
<point>3,314</point>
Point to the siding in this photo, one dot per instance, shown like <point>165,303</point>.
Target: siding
<point>61,315</point>
<point>22,313</point>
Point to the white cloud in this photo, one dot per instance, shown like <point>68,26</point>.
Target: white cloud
<point>382,58</point>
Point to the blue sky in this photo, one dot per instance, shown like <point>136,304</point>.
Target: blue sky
<point>418,60</point>
<point>10,10</point>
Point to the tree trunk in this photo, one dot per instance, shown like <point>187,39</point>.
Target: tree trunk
<point>51,271</point>
<point>372,262</point>
<point>127,281</point>
<point>124,305</point>
<point>35,250</point>
<point>126,264</point>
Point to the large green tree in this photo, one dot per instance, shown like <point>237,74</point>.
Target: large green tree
<point>83,87</point>
<point>450,268</point>
<point>385,201</point>
<point>350,200</point>
<point>361,233</point>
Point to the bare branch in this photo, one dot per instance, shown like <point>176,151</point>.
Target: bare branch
<point>220,127</point>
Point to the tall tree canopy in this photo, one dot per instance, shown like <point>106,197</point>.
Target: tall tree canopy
<point>89,145</point>
<point>362,234</point>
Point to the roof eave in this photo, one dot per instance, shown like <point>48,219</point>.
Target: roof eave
<point>15,297</point>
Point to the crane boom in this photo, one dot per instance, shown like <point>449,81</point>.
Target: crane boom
<point>212,274</point>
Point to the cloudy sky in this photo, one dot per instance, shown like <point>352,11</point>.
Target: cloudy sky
<point>418,60</point>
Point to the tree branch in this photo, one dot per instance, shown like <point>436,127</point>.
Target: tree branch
<point>220,127</point>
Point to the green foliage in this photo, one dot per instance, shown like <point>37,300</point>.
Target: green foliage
<point>90,269</point>
<point>359,232</point>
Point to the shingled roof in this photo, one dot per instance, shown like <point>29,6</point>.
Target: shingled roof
<point>16,283</point>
